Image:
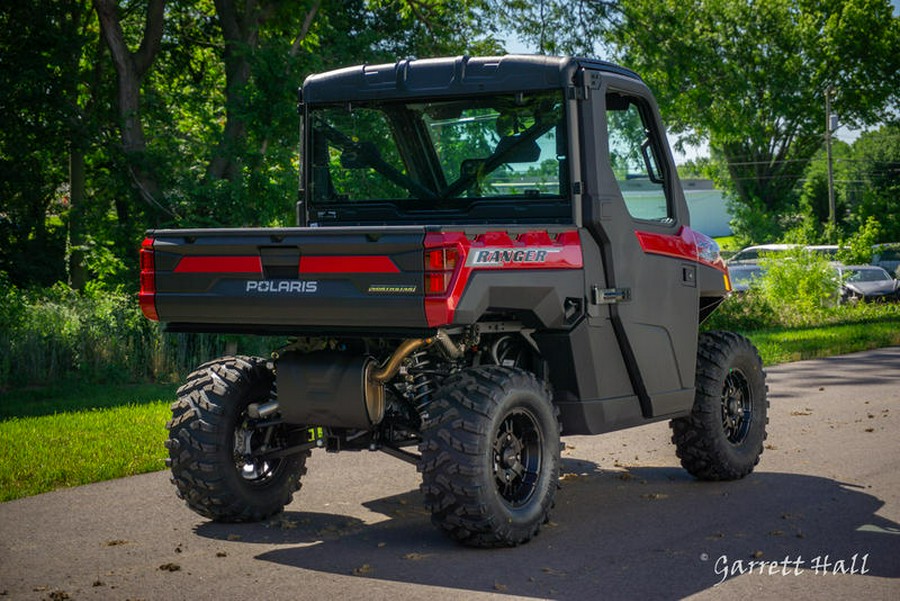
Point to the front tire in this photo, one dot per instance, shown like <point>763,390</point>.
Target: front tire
<point>490,456</point>
<point>212,438</point>
<point>722,438</point>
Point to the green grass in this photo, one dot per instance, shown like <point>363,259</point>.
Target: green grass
<point>59,437</point>
<point>728,244</point>
<point>796,344</point>
<point>39,454</point>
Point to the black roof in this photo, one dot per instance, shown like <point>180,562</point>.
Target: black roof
<point>451,76</point>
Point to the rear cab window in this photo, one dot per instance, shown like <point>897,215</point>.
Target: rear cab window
<point>494,157</point>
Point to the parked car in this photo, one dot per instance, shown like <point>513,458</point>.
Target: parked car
<point>887,256</point>
<point>752,254</point>
<point>743,275</point>
<point>829,251</point>
<point>867,282</point>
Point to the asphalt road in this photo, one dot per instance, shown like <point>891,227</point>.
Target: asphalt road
<point>822,510</point>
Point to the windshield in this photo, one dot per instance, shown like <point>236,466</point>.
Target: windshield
<point>476,157</point>
<point>867,275</point>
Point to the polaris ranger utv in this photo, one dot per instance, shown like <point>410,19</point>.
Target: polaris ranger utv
<point>489,251</point>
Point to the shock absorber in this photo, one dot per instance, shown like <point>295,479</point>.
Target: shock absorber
<point>422,386</point>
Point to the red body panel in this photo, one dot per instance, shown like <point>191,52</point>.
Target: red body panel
<point>493,251</point>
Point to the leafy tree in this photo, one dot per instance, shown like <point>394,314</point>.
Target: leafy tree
<point>556,27</point>
<point>814,188</point>
<point>875,183</point>
<point>857,249</point>
<point>242,26</point>
<point>270,46</point>
<point>700,167</point>
<point>866,176</point>
<point>749,77</point>
<point>417,28</point>
<point>125,115</point>
<point>45,132</point>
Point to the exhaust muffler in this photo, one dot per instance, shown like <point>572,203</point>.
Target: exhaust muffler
<point>339,390</point>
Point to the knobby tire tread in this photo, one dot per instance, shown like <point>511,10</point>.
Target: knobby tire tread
<point>699,439</point>
<point>201,427</point>
<point>455,436</point>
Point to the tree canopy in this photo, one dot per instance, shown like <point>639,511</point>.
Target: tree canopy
<point>749,76</point>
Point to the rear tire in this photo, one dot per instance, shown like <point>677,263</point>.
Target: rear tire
<point>722,438</point>
<point>490,456</point>
<point>210,432</point>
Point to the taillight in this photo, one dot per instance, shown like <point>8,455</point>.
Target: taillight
<point>440,265</point>
<point>147,295</point>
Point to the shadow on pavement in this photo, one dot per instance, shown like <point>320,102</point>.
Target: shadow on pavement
<point>652,532</point>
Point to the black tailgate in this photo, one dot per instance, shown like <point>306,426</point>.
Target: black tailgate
<point>291,278</point>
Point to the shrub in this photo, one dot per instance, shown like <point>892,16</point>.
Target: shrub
<point>796,288</point>
<point>799,286</point>
<point>99,336</point>
<point>857,249</point>
<point>743,312</point>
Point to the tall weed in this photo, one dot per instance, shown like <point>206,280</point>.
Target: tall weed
<point>798,289</point>
<point>99,336</point>
<point>799,285</point>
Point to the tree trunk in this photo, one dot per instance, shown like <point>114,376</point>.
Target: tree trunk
<point>130,70</point>
<point>241,33</point>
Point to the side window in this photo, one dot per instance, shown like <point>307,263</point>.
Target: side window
<point>635,158</point>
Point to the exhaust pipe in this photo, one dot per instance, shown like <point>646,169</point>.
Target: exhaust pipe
<point>392,365</point>
<point>376,379</point>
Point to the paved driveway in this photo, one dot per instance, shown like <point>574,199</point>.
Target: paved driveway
<point>818,519</point>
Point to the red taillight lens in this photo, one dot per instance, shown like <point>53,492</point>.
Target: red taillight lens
<point>437,283</point>
<point>147,295</point>
<point>442,259</point>
<point>440,265</point>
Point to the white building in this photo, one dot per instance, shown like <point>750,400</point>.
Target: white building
<point>709,212</point>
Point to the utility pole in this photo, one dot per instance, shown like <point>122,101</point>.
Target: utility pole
<point>832,208</point>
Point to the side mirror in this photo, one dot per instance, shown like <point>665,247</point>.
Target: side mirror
<point>650,162</point>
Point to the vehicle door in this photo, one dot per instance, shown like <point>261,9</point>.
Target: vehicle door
<point>634,209</point>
